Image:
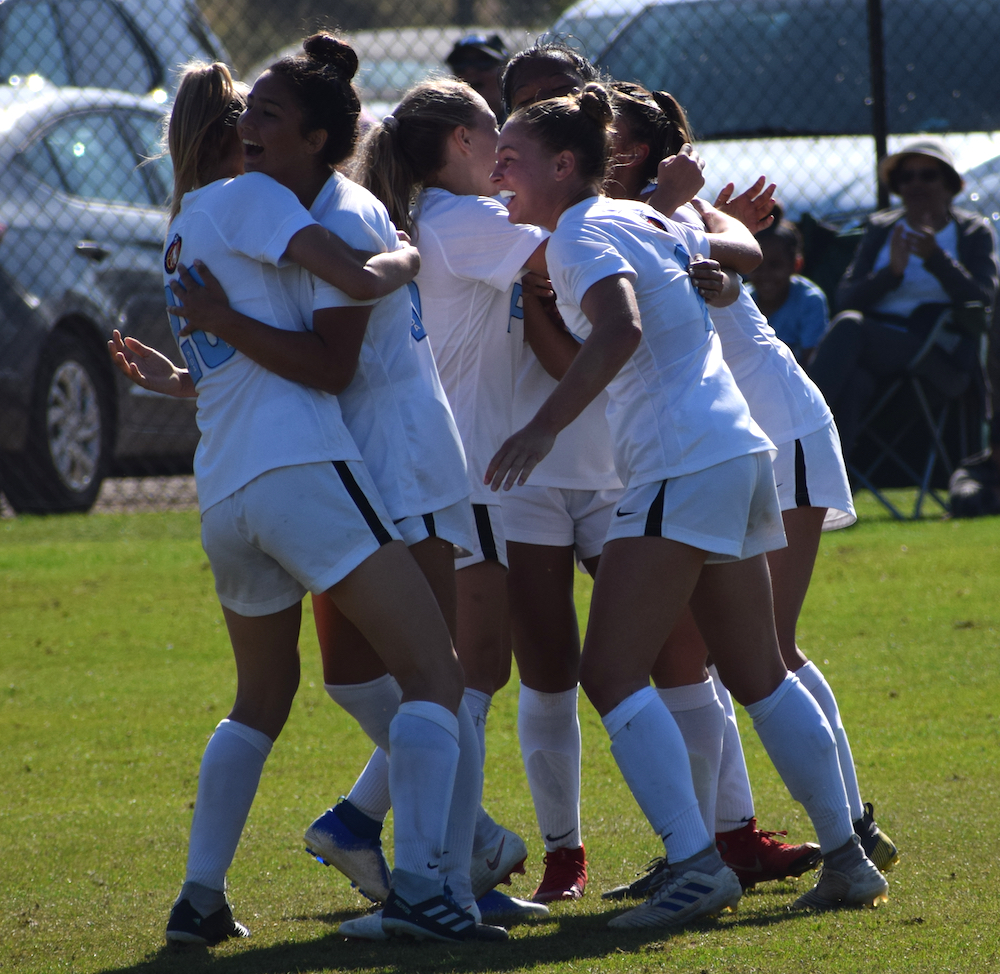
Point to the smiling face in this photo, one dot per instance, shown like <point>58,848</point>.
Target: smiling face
<point>271,132</point>
<point>528,175</point>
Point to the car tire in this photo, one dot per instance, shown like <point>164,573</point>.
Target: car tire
<point>70,433</point>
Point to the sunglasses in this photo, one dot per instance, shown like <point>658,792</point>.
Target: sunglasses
<point>905,176</point>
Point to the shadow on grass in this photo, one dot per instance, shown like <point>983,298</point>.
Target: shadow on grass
<point>557,940</point>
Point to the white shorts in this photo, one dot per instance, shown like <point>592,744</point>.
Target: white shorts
<point>453,524</point>
<point>810,472</point>
<point>729,510</point>
<point>559,517</point>
<point>293,530</point>
<point>489,543</point>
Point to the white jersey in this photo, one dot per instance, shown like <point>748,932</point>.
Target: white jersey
<point>395,407</point>
<point>582,458</point>
<point>783,400</point>
<point>674,407</point>
<point>469,301</point>
<point>251,420</point>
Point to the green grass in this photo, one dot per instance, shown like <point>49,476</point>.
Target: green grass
<point>115,667</point>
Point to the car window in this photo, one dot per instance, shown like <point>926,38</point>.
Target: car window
<point>158,170</point>
<point>95,161</point>
<point>103,50</point>
<point>29,42</point>
<point>750,67</point>
<point>39,162</point>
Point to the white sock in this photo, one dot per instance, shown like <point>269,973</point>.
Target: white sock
<point>423,759</point>
<point>799,742</point>
<point>465,799</point>
<point>227,782</point>
<point>479,708</point>
<point>650,752</point>
<point>814,681</point>
<point>372,705</point>
<point>548,727</point>
<point>734,802</point>
<point>702,723</point>
<point>370,794</point>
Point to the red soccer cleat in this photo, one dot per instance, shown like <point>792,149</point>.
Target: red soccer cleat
<point>565,876</point>
<point>757,857</point>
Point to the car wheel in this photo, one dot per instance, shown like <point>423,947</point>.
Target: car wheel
<point>70,433</point>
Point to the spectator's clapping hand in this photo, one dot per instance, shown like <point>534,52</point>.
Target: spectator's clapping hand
<point>752,207</point>
<point>899,250</point>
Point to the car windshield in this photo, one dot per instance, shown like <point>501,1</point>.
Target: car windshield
<point>745,82</point>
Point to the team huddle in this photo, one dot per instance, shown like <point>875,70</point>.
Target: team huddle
<point>429,391</point>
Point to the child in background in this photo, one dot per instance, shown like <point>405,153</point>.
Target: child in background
<point>794,306</point>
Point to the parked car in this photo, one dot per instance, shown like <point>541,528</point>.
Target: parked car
<point>127,45</point>
<point>782,87</point>
<point>82,222</point>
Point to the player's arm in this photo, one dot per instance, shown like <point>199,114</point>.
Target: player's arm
<point>732,243</point>
<point>149,368</point>
<point>610,306</point>
<point>364,277</point>
<point>324,358</point>
<point>544,330</point>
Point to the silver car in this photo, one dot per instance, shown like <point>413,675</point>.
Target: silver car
<point>82,221</point>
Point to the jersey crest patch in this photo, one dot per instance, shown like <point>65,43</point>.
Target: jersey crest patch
<point>173,255</point>
<point>653,222</point>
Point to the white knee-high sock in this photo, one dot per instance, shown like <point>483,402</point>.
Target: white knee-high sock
<point>370,793</point>
<point>227,782</point>
<point>465,799</point>
<point>799,742</point>
<point>702,722</point>
<point>734,802</point>
<point>650,752</point>
<point>479,709</point>
<point>372,705</point>
<point>814,681</point>
<point>423,758</point>
<point>548,727</point>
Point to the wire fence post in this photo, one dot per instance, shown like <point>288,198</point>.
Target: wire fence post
<point>876,61</point>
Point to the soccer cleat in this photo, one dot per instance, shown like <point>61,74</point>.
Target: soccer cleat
<point>565,876</point>
<point>495,863</point>
<point>854,883</point>
<point>877,845</point>
<point>681,899</point>
<point>756,856</point>
<point>497,907</point>
<point>368,927</point>
<point>656,872</point>
<point>437,918</point>
<point>361,860</point>
<point>187,926</point>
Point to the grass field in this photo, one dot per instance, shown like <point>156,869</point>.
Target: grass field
<point>115,667</point>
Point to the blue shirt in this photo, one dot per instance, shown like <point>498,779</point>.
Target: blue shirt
<point>801,321</point>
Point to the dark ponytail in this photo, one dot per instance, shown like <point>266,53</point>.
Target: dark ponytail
<point>654,118</point>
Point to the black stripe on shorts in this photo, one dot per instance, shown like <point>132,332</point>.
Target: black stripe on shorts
<point>382,536</point>
<point>485,531</point>
<point>654,519</point>
<point>429,524</point>
<point>801,487</point>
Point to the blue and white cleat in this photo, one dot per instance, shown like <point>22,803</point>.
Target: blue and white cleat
<point>681,899</point>
<point>504,910</point>
<point>361,860</point>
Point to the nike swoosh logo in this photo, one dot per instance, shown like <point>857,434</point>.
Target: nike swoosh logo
<point>493,863</point>
<point>431,866</point>
<point>556,838</point>
<point>757,867</point>
<point>620,513</point>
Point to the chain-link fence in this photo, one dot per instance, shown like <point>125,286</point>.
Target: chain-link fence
<point>804,91</point>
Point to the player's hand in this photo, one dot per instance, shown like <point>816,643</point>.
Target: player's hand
<point>519,455</point>
<point>537,286</point>
<point>707,276</point>
<point>201,299</point>
<point>147,367</point>
<point>752,207</point>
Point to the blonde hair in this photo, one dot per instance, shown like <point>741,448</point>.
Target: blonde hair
<point>397,155</point>
<point>205,110</point>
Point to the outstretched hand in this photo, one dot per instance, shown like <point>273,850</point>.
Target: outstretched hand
<point>149,368</point>
<point>752,207</point>
<point>201,299</point>
<point>518,456</point>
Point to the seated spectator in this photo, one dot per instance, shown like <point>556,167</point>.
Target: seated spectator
<point>478,60</point>
<point>912,263</point>
<point>794,306</point>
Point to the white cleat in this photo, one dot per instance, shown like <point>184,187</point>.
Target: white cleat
<point>368,927</point>
<point>854,883</point>
<point>495,863</point>
<point>691,896</point>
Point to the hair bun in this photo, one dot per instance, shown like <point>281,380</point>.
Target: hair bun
<point>333,52</point>
<point>595,103</point>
